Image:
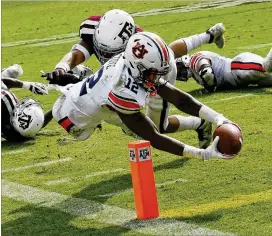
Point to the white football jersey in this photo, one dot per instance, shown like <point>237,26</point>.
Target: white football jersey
<point>220,65</point>
<point>95,99</point>
<point>244,69</point>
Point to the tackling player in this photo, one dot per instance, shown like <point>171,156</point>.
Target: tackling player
<point>215,72</point>
<point>117,92</point>
<point>20,120</point>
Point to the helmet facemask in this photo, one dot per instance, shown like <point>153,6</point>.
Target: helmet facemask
<point>183,70</point>
<point>104,52</point>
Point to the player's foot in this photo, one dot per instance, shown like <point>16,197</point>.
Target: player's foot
<point>204,132</point>
<point>268,62</point>
<point>15,71</point>
<point>217,35</point>
<point>82,71</point>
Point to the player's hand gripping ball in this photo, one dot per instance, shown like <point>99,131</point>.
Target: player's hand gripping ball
<point>231,139</point>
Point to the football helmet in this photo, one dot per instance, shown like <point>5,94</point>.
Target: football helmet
<point>183,70</point>
<point>27,117</point>
<point>112,34</point>
<point>147,58</point>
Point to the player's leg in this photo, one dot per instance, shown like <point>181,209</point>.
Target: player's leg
<point>250,68</point>
<point>60,113</point>
<point>15,71</point>
<point>158,111</point>
<point>183,46</point>
<point>268,61</point>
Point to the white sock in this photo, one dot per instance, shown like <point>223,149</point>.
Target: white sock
<point>196,41</point>
<point>188,122</point>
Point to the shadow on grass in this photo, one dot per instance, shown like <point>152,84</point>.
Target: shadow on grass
<point>45,221</point>
<point>120,183</point>
<point>13,146</point>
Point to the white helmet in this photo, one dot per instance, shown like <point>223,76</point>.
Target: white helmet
<point>27,118</point>
<point>183,70</point>
<point>112,34</point>
<point>147,58</point>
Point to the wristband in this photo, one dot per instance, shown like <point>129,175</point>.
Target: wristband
<point>190,151</point>
<point>26,85</point>
<point>209,114</point>
<point>62,65</point>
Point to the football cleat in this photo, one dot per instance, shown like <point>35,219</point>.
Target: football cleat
<point>268,61</point>
<point>217,35</point>
<point>15,71</point>
<point>204,132</point>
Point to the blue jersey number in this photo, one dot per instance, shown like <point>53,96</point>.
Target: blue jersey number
<point>92,80</point>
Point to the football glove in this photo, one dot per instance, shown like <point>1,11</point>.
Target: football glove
<point>37,88</point>
<point>60,79</point>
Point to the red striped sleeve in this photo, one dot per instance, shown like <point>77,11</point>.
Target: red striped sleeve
<point>123,104</point>
<point>194,59</point>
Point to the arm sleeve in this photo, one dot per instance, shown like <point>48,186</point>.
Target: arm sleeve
<point>123,102</point>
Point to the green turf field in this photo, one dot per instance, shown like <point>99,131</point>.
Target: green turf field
<point>56,187</point>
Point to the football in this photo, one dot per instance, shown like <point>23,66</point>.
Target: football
<point>231,139</point>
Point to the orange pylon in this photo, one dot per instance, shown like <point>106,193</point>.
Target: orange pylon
<point>143,180</point>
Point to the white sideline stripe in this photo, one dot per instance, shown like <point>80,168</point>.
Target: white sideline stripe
<point>255,46</point>
<point>29,41</point>
<point>56,39</point>
<point>60,181</point>
<point>14,152</point>
<point>131,190</point>
<point>196,7</point>
<point>102,213</point>
<point>54,42</point>
<point>35,165</point>
<point>104,172</point>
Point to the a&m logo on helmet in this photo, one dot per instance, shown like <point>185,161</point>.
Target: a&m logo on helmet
<point>139,50</point>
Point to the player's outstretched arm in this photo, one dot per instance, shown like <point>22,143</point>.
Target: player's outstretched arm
<point>188,104</point>
<point>142,126</point>
<point>79,53</point>
<point>48,116</point>
<point>34,87</point>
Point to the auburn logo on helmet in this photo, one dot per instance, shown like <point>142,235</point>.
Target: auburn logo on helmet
<point>139,50</point>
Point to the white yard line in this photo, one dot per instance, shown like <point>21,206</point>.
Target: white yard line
<point>60,181</point>
<point>229,98</point>
<point>102,213</point>
<point>255,46</point>
<point>221,100</point>
<point>37,164</point>
<point>106,172</point>
<point>130,189</point>
<point>14,152</point>
<point>71,37</point>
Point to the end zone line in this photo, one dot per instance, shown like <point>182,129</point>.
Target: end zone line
<point>104,172</point>
<point>37,164</point>
<point>102,213</point>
